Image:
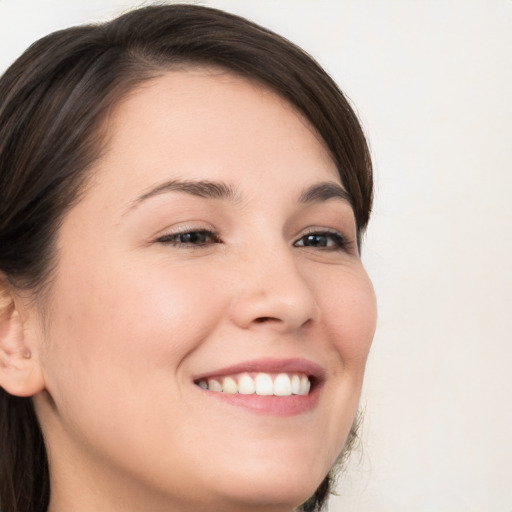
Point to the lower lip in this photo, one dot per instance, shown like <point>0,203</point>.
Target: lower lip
<point>270,405</point>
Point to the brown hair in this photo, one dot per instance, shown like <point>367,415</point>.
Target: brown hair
<point>53,102</point>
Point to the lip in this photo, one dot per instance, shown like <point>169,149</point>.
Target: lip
<point>269,405</point>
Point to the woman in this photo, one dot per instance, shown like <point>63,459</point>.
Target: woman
<point>184,318</point>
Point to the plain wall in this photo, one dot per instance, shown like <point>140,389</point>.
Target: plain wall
<point>432,83</point>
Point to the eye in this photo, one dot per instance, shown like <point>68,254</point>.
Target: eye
<point>329,240</point>
<point>191,238</point>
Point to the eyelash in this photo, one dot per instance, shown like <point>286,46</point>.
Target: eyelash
<point>174,238</point>
<point>337,241</point>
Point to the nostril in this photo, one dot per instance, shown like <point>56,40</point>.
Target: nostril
<point>263,319</point>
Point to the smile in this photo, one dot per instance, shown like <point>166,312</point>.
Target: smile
<point>262,384</point>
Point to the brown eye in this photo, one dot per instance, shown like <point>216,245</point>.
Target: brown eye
<point>198,238</point>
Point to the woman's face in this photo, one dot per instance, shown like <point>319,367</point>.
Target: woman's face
<point>215,246</point>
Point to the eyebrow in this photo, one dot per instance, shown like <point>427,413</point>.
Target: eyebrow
<point>202,188</point>
<point>207,189</point>
<point>324,191</point>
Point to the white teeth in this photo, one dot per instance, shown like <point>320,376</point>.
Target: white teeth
<point>214,385</point>
<point>282,385</point>
<point>246,384</point>
<point>305,385</point>
<point>229,385</point>
<point>296,385</point>
<point>263,384</point>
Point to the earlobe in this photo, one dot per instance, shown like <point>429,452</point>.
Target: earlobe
<point>20,372</point>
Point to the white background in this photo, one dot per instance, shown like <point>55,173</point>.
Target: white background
<point>432,83</point>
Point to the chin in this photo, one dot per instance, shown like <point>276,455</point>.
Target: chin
<point>280,488</point>
<point>276,499</point>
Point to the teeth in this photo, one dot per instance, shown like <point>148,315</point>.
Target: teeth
<point>246,384</point>
<point>305,385</point>
<point>214,385</point>
<point>296,385</point>
<point>282,385</point>
<point>229,385</point>
<point>263,384</point>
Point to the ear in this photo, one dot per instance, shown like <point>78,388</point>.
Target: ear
<point>20,371</point>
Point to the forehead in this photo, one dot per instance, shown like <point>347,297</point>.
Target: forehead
<point>202,123</point>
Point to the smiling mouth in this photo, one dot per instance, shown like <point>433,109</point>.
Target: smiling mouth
<point>262,384</point>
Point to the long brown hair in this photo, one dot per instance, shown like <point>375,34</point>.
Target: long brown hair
<point>53,102</point>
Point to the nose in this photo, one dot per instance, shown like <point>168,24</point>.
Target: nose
<point>272,291</point>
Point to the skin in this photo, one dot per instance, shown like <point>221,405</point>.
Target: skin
<point>132,318</point>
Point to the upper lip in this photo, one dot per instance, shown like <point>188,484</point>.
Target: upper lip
<point>268,365</point>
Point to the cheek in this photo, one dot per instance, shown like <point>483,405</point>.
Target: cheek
<point>118,348</point>
<point>123,320</point>
<point>350,313</point>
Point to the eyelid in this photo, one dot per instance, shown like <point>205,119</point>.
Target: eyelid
<point>184,229</point>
